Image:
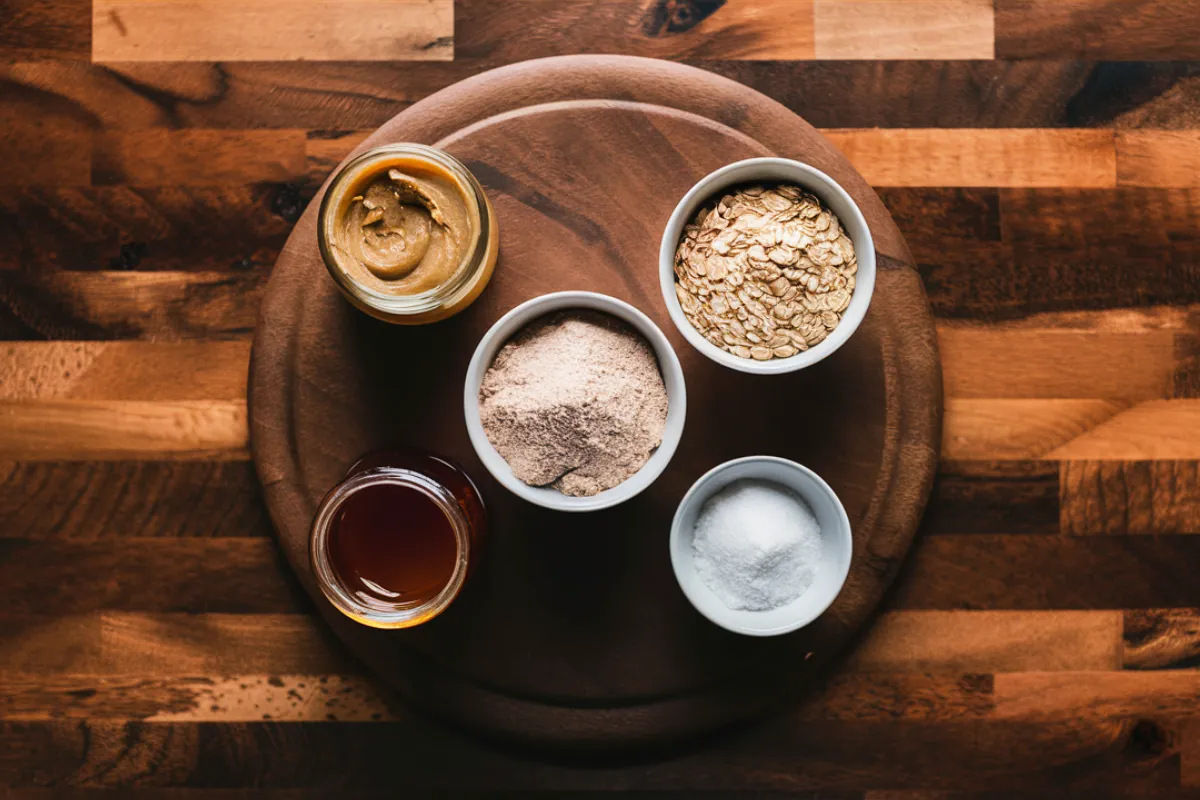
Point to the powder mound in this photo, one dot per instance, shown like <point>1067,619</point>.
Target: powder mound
<point>575,401</point>
<point>757,546</point>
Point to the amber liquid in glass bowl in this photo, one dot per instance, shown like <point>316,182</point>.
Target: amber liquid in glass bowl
<point>392,544</point>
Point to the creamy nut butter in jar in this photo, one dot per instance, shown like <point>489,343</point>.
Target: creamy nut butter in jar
<point>408,234</point>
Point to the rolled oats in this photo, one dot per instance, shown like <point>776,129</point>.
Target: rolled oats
<point>766,272</point>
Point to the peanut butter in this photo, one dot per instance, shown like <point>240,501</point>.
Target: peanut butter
<point>405,228</point>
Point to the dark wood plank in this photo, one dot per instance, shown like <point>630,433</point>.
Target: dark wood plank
<point>1139,497</point>
<point>44,140</point>
<point>364,95</point>
<point>1063,250</point>
<point>198,157</point>
<point>1108,29</point>
<point>238,227</point>
<point>842,755</point>
<point>57,304</point>
<point>1162,638</point>
<point>203,575</point>
<point>100,499</point>
<point>45,29</point>
<point>1008,497</point>
<point>1050,572</point>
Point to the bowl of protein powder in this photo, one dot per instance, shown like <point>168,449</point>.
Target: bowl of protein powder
<point>761,545</point>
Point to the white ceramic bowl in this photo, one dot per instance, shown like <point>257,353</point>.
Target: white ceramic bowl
<point>835,534</point>
<point>771,170</point>
<point>519,317</point>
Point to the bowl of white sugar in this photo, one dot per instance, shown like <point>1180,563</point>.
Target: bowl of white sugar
<point>761,545</point>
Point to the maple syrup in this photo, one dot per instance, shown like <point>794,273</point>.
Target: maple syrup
<point>393,542</point>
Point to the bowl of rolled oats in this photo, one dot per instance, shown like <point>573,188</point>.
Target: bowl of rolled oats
<point>767,266</point>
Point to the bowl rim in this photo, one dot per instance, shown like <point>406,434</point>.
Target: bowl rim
<point>668,364</point>
<point>720,179</point>
<point>693,495</point>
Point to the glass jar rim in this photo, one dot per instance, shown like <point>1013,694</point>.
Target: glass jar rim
<point>431,299</point>
<point>330,582</point>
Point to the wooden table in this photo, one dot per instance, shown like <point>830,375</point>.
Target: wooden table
<point>1046,631</point>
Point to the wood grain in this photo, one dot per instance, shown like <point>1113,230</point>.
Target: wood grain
<point>1021,428</point>
<point>55,304</point>
<point>184,228</point>
<point>1008,158</point>
<point>1027,573</point>
<point>910,29</point>
<point>145,371</point>
<point>1054,363</point>
<point>1158,638</point>
<point>1158,158</point>
<point>272,30</point>
<point>994,497</point>
<point>1105,29</point>
<point>45,29</point>
<point>1115,695</point>
<point>1130,497</point>
<point>117,644</point>
<point>950,642</point>
<point>1159,429</point>
<point>769,29</point>
<point>198,157</point>
<point>99,429</point>
<point>96,499</point>
<point>133,574</point>
<point>839,755</point>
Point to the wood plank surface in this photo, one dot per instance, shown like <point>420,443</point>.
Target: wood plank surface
<point>516,29</point>
<point>913,29</point>
<point>272,30</point>
<point>1009,158</point>
<point>1109,29</point>
<point>1040,157</point>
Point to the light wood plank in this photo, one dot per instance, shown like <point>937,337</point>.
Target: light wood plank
<point>980,157</point>
<point>198,157</point>
<point>123,644</point>
<point>272,30</point>
<point>149,371</point>
<point>904,29</point>
<point>1158,158</point>
<point>97,429</point>
<point>982,361</point>
<point>990,641</point>
<point>360,698</point>
<point>1161,429</point>
<point>1009,429</point>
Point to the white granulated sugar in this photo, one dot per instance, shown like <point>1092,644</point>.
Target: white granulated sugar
<point>757,545</point>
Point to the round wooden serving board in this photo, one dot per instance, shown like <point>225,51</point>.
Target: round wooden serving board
<point>573,632</point>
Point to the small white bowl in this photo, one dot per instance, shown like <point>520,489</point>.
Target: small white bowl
<point>518,318</point>
<point>771,170</point>
<point>837,545</point>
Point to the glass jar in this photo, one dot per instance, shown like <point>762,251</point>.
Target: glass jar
<point>394,542</point>
<point>390,300</point>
